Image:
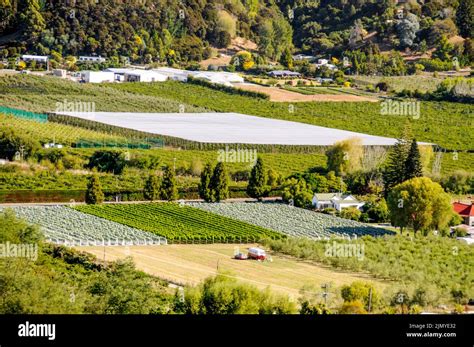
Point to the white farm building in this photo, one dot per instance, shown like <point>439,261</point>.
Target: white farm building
<point>97,76</point>
<point>218,77</point>
<point>144,76</point>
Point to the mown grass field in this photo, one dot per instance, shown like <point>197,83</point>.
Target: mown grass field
<point>190,264</point>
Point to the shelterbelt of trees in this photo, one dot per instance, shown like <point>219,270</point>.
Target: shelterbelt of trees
<point>176,32</point>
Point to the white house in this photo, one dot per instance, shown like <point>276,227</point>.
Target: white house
<point>219,77</point>
<point>300,57</point>
<point>335,200</point>
<point>144,76</point>
<point>97,76</point>
<point>38,58</point>
<point>98,59</point>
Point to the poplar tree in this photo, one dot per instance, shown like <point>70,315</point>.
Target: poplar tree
<point>220,182</point>
<point>152,188</point>
<point>205,189</point>
<point>257,187</point>
<point>168,189</point>
<point>94,193</point>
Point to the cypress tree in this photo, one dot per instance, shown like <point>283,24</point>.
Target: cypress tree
<point>151,190</point>
<point>257,187</point>
<point>395,171</point>
<point>94,193</point>
<point>205,190</point>
<point>413,167</point>
<point>168,190</point>
<point>220,182</point>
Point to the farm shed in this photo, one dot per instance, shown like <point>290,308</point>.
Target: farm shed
<point>283,74</point>
<point>174,74</point>
<point>144,76</point>
<point>98,59</point>
<point>38,58</point>
<point>97,76</point>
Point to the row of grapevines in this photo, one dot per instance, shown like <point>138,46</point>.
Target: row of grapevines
<point>180,223</point>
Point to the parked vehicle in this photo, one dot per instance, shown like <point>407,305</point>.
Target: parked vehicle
<point>240,256</point>
<point>257,253</point>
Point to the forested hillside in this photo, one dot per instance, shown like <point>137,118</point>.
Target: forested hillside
<point>173,31</point>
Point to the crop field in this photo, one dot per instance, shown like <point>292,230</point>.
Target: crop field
<point>49,131</point>
<point>64,225</point>
<point>448,124</point>
<point>292,221</point>
<point>43,93</point>
<point>230,128</point>
<point>191,264</point>
<point>424,83</point>
<point>180,223</point>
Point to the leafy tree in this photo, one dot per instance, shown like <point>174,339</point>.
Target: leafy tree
<point>352,213</point>
<point>287,59</point>
<point>308,308</point>
<point>362,292</point>
<point>242,61</point>
<point>377,210</point>
<point>151,190</point>
<point>413,167</point>
<point>274,178</point>
<point>13,143</point>
<point>205,189</point>
<point>444,49</point>
<point>257,187</point>
<point>220,182</point>
<point>407,29</point>
<point>465,18</point>
<point>420,204</point>
<point>168,187</point>
<point>107,161</point>
<point>345,156</point>
<point>297,192</point>
<point>32,20</point>
<point>224,295</point>
<point>94,193</point>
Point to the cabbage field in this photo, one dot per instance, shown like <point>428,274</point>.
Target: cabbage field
<point>180,223</point>
<point>292,221</point>
<point>64,225</point>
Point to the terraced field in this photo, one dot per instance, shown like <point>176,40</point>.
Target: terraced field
<point>65,225</point>
<point>292,221</point>
<point>180,223</point>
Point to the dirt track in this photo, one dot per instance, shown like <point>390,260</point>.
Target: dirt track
<point>281,95</point>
